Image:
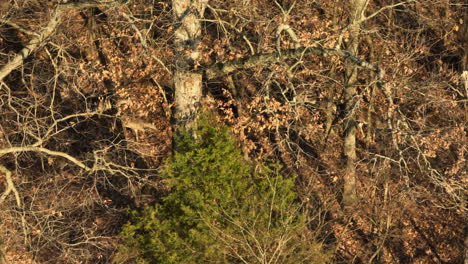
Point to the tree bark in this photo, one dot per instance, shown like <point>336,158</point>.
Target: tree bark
<point>187,82</point>
<point>464,53</point>
<point>224,68</point>
<point>357,9</point>
<point>464,79</point>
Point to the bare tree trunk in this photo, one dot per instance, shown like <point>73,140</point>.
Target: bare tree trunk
<point>464,55</point>
<point>187,82</point>
<point>464,79</point>
<point>357,9</point>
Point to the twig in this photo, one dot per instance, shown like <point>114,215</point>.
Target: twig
<point>144,43</point>
<point>49,133</point>
<point>17,27</point>
<point>383,9</point>
<point>32,45</point>
<point>39,38</point>
<point>10,187</point>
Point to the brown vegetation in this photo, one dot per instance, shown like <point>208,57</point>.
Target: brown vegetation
<point>366,101</point>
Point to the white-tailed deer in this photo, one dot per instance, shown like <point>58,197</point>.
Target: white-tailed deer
<point>136,124</point>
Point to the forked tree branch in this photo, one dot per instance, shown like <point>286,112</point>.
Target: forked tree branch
<point>40,38</point>
<point>10,186</point>
<point>32,45</point>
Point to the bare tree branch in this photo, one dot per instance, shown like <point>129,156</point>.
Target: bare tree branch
<point>32,45</point>
<point>18,27</point>
<point>144,43</point>
<point>39,39</point>
<point>10,186</point>
<point>47,151</point>
<point>383,9</point>
<point>223,68</point>
<point>91,3</point>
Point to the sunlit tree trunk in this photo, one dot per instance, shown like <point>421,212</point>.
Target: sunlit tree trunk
<point>464,55</point>
<point>357,8</point>
<point>464,79</point>
<point>188,83</point>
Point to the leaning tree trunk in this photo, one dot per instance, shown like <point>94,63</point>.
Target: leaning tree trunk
<point>187,82</point>
<point>349,147</point>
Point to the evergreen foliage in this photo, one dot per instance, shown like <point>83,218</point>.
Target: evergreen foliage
<point>220,209</point>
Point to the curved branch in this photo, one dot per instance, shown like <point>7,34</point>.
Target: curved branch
<point>47,151</point>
